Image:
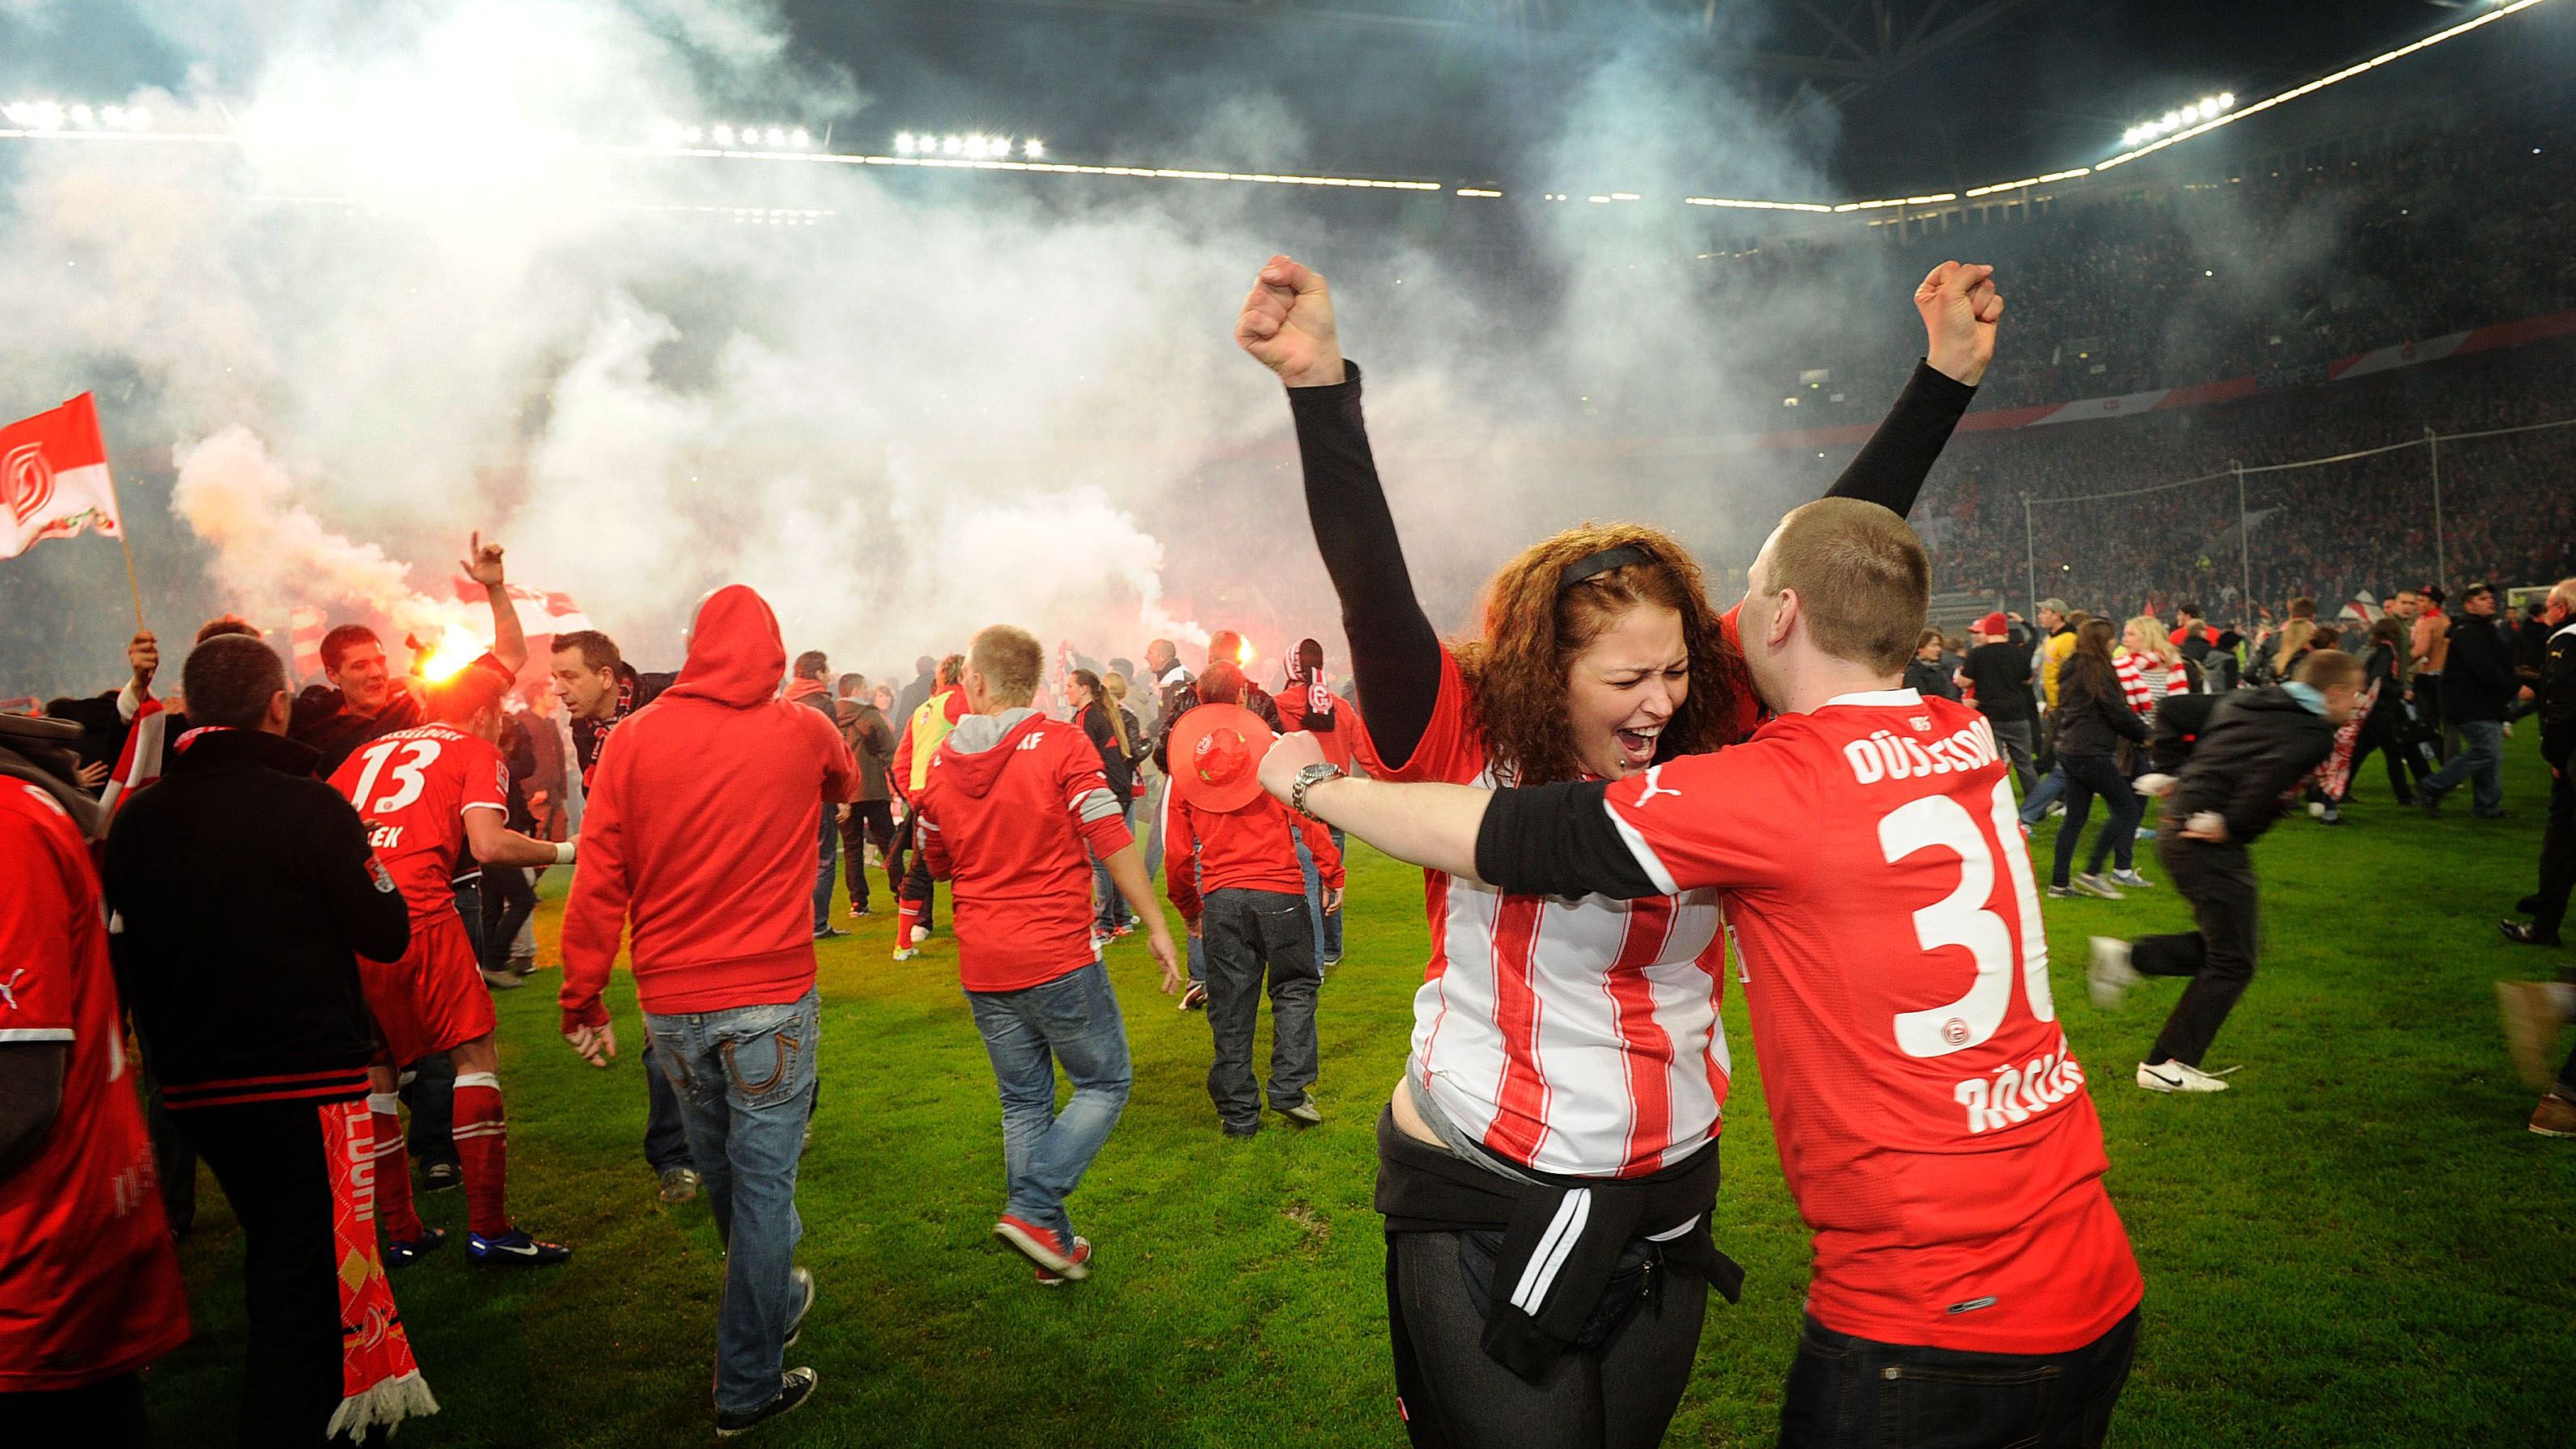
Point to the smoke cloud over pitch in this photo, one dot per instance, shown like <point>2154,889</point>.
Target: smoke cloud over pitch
<point>913,405</point>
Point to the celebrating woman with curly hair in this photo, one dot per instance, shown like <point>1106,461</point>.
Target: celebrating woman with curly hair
<point>1549,1163</point>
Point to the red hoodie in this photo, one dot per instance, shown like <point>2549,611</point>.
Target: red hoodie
<point>1011,801</point>
<point>1251,849</point>
<point>703,810</point>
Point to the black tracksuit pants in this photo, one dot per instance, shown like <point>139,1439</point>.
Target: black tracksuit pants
<point>2218,880</point>
<point>2557,859</point>
<point>270,1159</point>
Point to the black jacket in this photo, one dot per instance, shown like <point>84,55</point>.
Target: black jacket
<point>2259,744</point>
<point>2558,698</point>
<point>1930,680</point>
<point>2477,679</point>
<point>2001,674</point>
<point>2180,718</point>
<point>1116,762</point>
<point>242,892</point>
<point>634,691</point>
<point>2093,721</point>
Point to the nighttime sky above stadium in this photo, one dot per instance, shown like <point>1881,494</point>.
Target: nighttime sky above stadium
<point>2050,84</point>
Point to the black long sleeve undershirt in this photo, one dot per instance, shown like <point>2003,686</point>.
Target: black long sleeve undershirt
<point>1395,652</point>
<point>1558,840</point>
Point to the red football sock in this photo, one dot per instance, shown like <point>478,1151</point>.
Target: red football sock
<point>393,1171</point>
<point>909,912</point>
<point>483,1145</point>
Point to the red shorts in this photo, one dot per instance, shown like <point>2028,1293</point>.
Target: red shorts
<point>433,999</point>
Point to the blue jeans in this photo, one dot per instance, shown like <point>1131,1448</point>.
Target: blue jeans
<point>2481,755</point>
<point>830,857</point>
<point>2051,785</point>
<point>1327,924</point>
<point>745,1080</point>
<point>1073,1020</point>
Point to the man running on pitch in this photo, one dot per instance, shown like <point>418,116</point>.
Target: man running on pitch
<point>1932,1122</point>
<point>428,793</point>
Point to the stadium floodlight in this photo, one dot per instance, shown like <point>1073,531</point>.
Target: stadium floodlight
<point>2207,108</point>
<point>723,134</point>
<point>1032,148</point>
<point>904,145</point>
<point>952,145</point>
<point>800,138</point>
<point>82,118</point>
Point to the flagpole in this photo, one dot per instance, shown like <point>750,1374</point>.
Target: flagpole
<point>131,585</point>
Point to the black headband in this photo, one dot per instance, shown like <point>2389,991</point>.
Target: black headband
<point>1600,563</point>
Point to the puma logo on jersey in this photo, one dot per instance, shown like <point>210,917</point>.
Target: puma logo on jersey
<point>9,988</point>
<point>1655,787</point>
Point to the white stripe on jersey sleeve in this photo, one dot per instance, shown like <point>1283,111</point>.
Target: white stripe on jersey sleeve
<point>1647,860</point>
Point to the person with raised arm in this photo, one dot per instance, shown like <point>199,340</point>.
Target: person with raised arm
<point>1552,1146</point>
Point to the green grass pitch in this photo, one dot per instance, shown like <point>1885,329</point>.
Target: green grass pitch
<point>2359,1245</point>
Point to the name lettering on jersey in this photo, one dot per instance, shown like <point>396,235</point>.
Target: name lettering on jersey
<point>1032,742</point>
<point>384,837</point>
<point>1886,755</point>
<point>2014,1093</point>
<point>1655,787</point>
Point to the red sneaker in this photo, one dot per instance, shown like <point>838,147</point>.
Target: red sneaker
<point>1081,1254</point>
<point>1044,1247</point>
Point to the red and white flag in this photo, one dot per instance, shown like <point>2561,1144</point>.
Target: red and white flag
<point>53,478</point>
<point>308,627</point>
<point>541,611</point>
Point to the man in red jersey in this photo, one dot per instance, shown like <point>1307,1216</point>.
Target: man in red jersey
<point>1008,804</point>
<point>428,795</point>
<point>1932,1121</point>
<point>89,1289</point>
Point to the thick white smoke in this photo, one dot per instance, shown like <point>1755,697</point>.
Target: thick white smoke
<point>915,405</point>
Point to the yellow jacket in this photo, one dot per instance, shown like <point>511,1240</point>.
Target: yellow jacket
<point>2053,653</point>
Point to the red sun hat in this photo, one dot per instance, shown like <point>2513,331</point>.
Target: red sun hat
<point>1216,757</point>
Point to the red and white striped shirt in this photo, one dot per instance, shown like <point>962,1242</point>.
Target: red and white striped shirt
<point>2144,681</point>
<point>1572,1036</point>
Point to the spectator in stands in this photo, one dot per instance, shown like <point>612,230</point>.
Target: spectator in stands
<point>2477,684</point>
<point>1997,672</point>
<point>2093,717</point>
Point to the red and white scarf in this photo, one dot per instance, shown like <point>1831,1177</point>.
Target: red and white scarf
<point>380,1384</point>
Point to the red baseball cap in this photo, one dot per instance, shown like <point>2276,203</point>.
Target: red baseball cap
<point>1216,757</point>
<point>1994,626</point>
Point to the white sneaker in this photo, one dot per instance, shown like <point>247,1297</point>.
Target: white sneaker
<point>2132,880</point>
<point>2178,1077</point>
<point>907,953</point>
<point>2094,885</point>
<point>2110,975</point>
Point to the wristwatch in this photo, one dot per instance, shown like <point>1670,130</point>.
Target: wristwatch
<point>1309,777</point>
